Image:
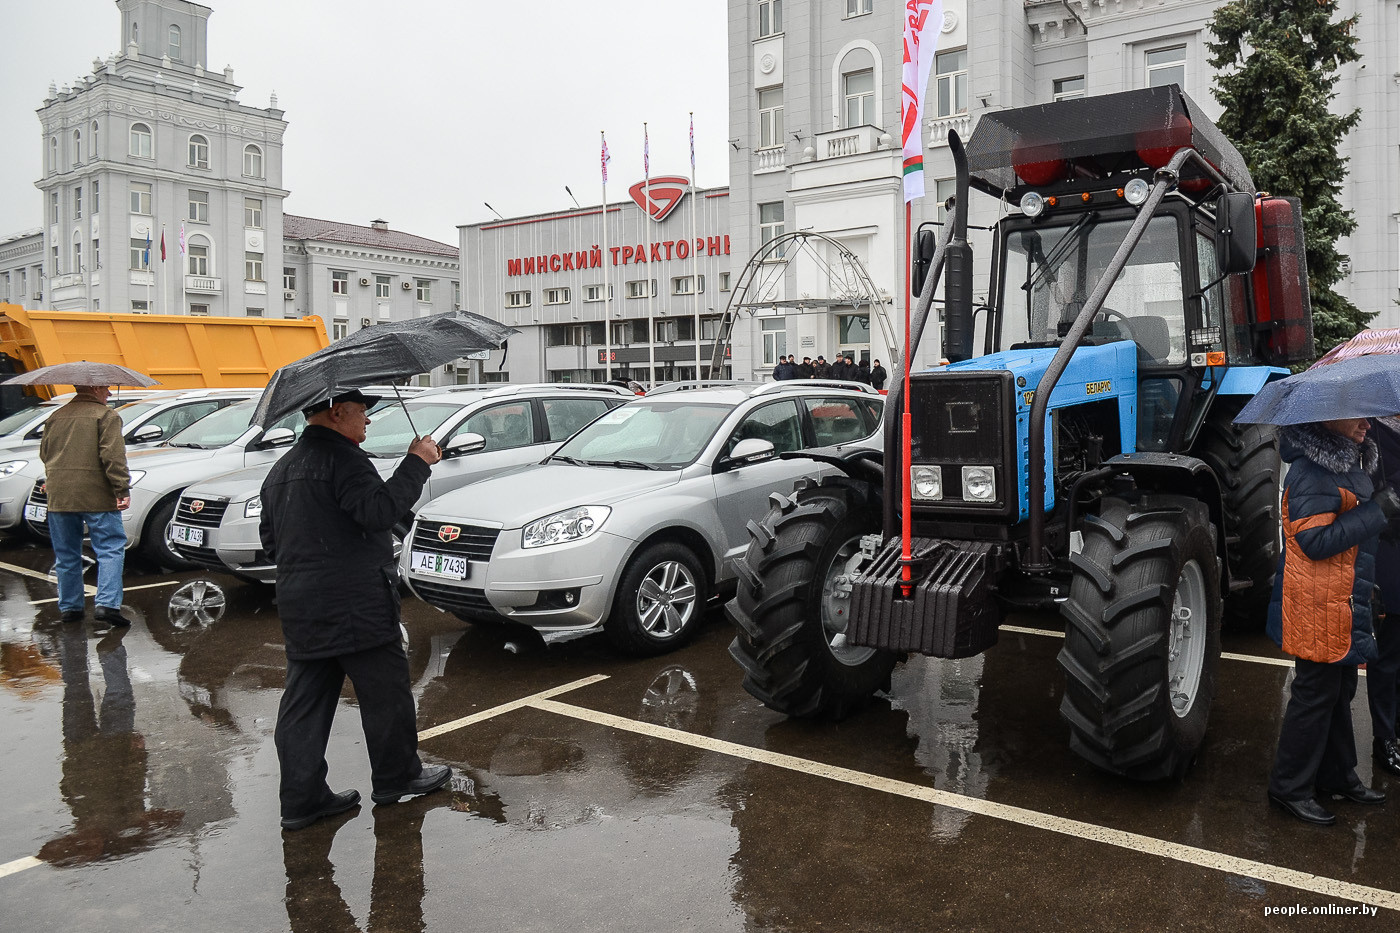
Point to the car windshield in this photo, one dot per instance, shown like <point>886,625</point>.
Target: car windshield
<point>12,423</point>
<point>390,432</point>
<point>664,434</point>
<point>219,429</point>
<point>132,411</point>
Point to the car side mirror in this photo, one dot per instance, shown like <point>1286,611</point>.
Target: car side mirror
<point>147,432</point>
<point>278,437</point>
<point>1236,240</point>
<point>751,450</point>
<point>463,444</point>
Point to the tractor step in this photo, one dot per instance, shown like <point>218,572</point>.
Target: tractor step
<point>951,611</point>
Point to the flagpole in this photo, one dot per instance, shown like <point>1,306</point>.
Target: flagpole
<point>694,253</point>
<point>906,423</point>
<point>648,281</point>
<point>149,272</point>
<point>607,278</point>
<point>184,308</point>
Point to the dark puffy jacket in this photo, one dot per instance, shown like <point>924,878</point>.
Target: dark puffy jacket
<point>326,520</point>
<point>1387,440</point>
<point>878,377</point>
<point>1321,607</point>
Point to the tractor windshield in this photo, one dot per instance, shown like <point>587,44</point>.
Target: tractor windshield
<point>1051,271</point>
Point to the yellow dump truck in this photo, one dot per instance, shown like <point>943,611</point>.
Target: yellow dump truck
<point>178,351</point>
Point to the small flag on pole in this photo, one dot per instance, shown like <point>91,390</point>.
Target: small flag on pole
<point>162,244</point>
<point>146,253</point>
<point>692,146</point>
<point>922,21</point>
<point>606,157</point>
<point>182,238</point>
<point>646,153</point>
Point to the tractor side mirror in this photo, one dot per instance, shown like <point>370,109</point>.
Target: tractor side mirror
<point>924,245</point>
<point>1236,240</point>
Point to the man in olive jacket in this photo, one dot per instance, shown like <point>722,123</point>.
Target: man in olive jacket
<point>326,522</point>
<point>87,482</point>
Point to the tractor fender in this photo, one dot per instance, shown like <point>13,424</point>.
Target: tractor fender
<point>1248,380</point>
<point>862,463</point>
<point>1182,475</point>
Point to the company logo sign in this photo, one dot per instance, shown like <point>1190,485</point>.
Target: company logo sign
<point>449,532</point>
<point>197,505</point>
<point>665,193</point>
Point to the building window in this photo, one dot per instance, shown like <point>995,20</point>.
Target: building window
<point>574,335</point>
<point>140,306</point>
<point>138,254</point>
<point>1166,66</point>
<point>94,140</point>
<point>951,68</point>
<point>199,206</point>
<point>859,7</point>
<point>53,207</point>
<point>140,198</point>
<point>381,286</point>
<point>255,312</point>
<point>943,189</point>
<point>517,299</point>
<point>669,330</point>
<point>289,278</point>
<point>53,261</point>
<point>77,148</point>
<point>770,118</point>
<point>198,255</point>
<point>199,152</point>
<point>709,328</point>
<point>1067,88</point>
<point>96,196</point>
<point>199,310</point>
<point>77,202</point>
<point>139,144</point>
<point>556,296</point>
<point>595,292</point>
<point>858,89</point>
<point>774,340</point>
<point>53,154</point>
<point>724,281</point>
<point>339,329</point>
<point>770,225</point>
<point>77,253</point>
<point>638,288</point>
<point>252,162</point>
<point>685,285</point>
<point>252,267</point>
<point>252,213</point>
<point>96,254</point>
<point>770,17</point>
<point>173,46</point>
<point>340,283</point>
<point>423,289</point>
<point>456,295</point>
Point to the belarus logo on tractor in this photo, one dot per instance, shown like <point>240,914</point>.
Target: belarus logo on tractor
<point>1078,454</point>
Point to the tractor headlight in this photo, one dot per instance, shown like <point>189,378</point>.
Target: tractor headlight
<point>253,507</point>
<point>1135,191</point>
<point>926,482</point>
<point>1032,204</point>
<point>979,483</point>
<point>563,527</point>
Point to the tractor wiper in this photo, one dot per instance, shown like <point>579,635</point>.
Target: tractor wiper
<point>1060,251</point>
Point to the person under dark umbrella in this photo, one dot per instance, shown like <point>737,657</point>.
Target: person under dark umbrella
<point>1321,609</point>
<point>1382,676</point>
<point>326,522</point>
<point>878,376</point>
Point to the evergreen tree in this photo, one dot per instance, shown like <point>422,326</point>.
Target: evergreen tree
<point>1277,62</point>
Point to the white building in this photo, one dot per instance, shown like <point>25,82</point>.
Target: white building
<point>814,126</point>
<point>22,268</point>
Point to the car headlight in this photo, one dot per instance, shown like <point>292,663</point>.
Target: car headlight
<point>253,507</point>
<point>927,482</point>
<point>561,527</point>
<point>136,476</point>
<point>979,483</point>
<point>12,466</point>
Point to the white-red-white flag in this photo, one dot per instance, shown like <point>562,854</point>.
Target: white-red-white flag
<point>922,21</point>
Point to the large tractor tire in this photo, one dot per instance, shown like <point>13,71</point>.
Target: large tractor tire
<point>1245,458</point>
<point>1142,643</point>
<point>793,602</point>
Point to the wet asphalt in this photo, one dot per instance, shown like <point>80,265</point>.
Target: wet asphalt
<point>141,792</point>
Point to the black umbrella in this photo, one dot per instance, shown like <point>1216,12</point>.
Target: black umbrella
<point>379,353</point>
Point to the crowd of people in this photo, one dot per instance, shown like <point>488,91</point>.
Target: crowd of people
<point>843,367</point>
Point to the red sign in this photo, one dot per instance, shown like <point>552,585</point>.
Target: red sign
<point>664,192</point>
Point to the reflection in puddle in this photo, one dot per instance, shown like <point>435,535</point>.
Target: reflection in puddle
<point>196,604</point>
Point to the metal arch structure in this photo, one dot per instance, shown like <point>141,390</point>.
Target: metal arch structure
<point>848,284</point>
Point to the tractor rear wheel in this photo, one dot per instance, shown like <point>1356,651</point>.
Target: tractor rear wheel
<point>792,607</point>
<point>1142,642</point>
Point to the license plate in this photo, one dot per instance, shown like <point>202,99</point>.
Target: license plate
<point>184,534</point>
<point>428,564</point>
<point>36,513</point>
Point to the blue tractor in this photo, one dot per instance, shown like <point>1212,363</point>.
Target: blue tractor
<point>1078,452</point>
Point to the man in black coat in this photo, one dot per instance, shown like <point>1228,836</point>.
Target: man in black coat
<point>326,522</point>
<point>878,376</point>
<point>804,369</point>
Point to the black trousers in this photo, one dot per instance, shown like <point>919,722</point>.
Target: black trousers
<point>1382,677</point>
<point>380,677</point>
<point>1316,747</point>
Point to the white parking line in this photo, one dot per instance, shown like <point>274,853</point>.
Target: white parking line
<point>125,589</point>
<point>1227,655</point>
<point>494,711</point>
<point>18,865</point>
<point>26,572</point>
<point>1077,829</point>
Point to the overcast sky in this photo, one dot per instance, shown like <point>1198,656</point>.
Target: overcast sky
<point>418,111</point>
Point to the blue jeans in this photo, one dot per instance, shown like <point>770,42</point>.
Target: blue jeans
<point>108,540</point>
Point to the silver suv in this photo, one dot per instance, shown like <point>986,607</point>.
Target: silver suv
<point>484,430</point>
<point>635,522</point>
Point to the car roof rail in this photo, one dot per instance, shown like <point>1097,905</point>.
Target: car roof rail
<point>582,386</point>
<point>687,385</point>
<point>770,388</point>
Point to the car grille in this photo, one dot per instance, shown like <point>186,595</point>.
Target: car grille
<point>209,514</point>
<point>455,598</point>
<point>204,556</point>
<point>39,495</point>
<point>474,541</point>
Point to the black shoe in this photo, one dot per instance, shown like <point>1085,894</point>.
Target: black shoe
<point>337,803</point>
<point>1386,752</point>
<point>72,615</point>
<point>110,616</point>
<point>1309,810</point>
<point>430,779</point>
<point>1358,794</point>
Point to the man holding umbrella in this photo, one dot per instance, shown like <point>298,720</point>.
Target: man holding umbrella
<point>326,522</point>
